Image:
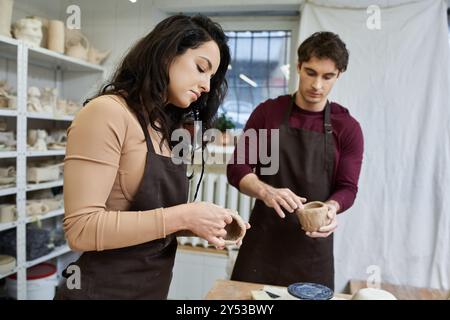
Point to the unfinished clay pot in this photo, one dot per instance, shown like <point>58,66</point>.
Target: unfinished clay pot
<point>313,216</point>
<point>235,230</point>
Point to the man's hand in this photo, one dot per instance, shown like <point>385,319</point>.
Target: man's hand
<point>272,197</point>
<point>325,231</point>
<point>282,197</point>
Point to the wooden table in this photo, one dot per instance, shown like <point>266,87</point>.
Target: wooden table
<point>237,290</point>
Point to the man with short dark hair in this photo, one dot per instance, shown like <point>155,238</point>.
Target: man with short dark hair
<point>320,157</point>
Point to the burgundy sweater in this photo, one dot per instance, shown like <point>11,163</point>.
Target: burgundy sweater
<point>348,142</point>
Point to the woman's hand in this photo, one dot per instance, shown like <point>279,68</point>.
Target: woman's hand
<point>208,221</point>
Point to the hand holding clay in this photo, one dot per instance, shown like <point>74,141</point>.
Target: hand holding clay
<point>318,219</point>
<point>235,230</point>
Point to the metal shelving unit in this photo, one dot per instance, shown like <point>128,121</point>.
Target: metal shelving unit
<point>74,79</point>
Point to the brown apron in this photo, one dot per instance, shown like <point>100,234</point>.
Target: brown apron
<point>277,251</point>
<point>142,271</point>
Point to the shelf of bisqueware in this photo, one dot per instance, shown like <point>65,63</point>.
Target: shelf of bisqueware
<point>47,153</point>
<point>4,275</point>
<point>49,116</point>
<point>50,59</point>
<point>51,214</point>
<point>44,185</point>
<point>8,154</point>
<point>8,191</point>
<point>8,113</point>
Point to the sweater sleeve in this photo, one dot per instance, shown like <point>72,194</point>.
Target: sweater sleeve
<point>349,168</point>
<point>95,140</point>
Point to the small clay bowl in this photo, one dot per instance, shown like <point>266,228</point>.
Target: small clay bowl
<point>313,216</point>
<point>235,230</point>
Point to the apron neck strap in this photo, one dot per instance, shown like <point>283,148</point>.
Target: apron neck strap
<point>326,119</point>
<point>144,126</point>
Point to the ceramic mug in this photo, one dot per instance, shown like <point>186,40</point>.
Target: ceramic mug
<point>313,215</point>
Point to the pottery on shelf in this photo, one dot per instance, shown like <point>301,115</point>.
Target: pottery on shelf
<point>6,9</point>
<point>37,174</point>
<point>37,140</point>
<point>34,102</point>
<point>313,215</point>
<point>56,36</point>
<point>76,44</point>
<point>7,99</point>
<point>36,207</point>
<point>7,213</point>
<point>7,263</point>
<point>48,99</point>
<point>96,56</point>
<point>29,30</point>
<point>44,29</point>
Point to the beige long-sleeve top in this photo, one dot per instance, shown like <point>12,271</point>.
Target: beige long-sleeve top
<point>103,167</point>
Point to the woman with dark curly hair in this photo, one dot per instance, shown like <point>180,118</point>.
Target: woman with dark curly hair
<point>125,197</point>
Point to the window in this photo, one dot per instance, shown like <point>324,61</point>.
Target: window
<point>259,70</point>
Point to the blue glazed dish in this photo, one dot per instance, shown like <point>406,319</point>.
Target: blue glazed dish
<point>310,291</point>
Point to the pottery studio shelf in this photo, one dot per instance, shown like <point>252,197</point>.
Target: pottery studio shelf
<point>44,185</point>
<point>48,116</point>
<point>4,275</point>
<point>48,153</point>
<point>8,113</point>
<point>8,191</point>
<point>8,154</point>
<point>50,59</point>
<point>23,67</point>
<point>8,47</point>
<point>7,225</point>
<point>48,215</point>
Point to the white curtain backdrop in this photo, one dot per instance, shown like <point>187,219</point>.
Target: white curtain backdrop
<point>397,86</point>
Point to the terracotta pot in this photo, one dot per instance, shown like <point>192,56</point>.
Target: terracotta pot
<point>313,216</point>
<point>235,230</point>
<point>6,9</point>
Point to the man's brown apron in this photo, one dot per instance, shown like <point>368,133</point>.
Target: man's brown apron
<point>277,251</point>
<point>142,271</point>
